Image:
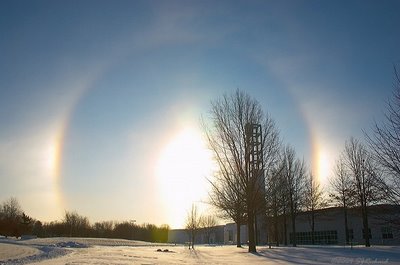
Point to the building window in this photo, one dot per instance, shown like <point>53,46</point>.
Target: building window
<point>369,233</point>
<point>387,232</point>
<point>320,238</point>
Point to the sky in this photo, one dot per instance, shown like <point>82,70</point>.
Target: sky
<point>101,101</point>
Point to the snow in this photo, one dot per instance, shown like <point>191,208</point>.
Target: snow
<point>61,251</point>
<point>12,251</point>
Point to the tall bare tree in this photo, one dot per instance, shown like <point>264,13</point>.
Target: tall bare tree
<point>294,179</point>
<point>366,179</point>
<point>228,138</point>
<point>342,191</point>
<point>313,200</point>
<point>384,142</point>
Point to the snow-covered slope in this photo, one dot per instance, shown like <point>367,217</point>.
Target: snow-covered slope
<point>61,251</point>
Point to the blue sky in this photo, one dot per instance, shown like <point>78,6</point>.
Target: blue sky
<point>94,94</point>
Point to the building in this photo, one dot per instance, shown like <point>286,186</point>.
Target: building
<point>383,222</point>
<point>230,234</point>
<point>384,229</point>
<point>213,236</point>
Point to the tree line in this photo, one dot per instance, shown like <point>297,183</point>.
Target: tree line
<point>281,185</point>
<point>15,223</point>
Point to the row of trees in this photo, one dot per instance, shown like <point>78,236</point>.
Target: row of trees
<point>74,225</point>
<point>282,186</point>
<point>366,173</point>
<point>290,189</point>
<point>369,173</point>
<point>358,181</point>
<point>241,190</point>
<point>13,222</point>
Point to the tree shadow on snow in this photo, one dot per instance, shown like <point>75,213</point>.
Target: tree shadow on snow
<point>327,255</point>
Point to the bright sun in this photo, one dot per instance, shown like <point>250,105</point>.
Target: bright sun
<point>182,169</point>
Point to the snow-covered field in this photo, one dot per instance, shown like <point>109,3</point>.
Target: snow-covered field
<point>63,251</point>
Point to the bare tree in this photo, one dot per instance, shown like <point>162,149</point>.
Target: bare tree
<point>366,177</point>
<point>276,202</point>
<point>208,223</point>
<point>384,142</point>
<point>227,198</point>
<point>76,224</point>
<point>10,217</point>
<point>228,138</point>
<point>192,225</point>
<point>342,191</point>
<point>11,209</point>
<point>313,200</point>
<point>294,179</point>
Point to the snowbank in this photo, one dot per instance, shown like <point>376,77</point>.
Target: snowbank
<point>13,251</point>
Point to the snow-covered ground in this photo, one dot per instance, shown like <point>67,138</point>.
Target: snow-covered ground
<point>62,251</point>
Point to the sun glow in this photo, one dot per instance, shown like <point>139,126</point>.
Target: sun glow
<point>51,166</point>
<point>182,169</point>
<point>52,158</point>
<point>323,167</point>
